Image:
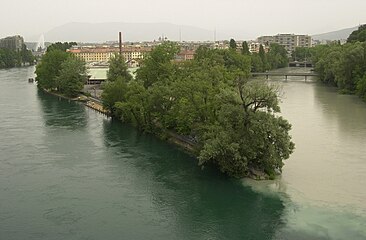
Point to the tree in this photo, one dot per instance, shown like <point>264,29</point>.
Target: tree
<point>245,48</point>
<point>262,53</point>
<point>343,66</point>
<point>10,58</point>
<point>301,54</point>
<point>26,55</point>
<point>358,35</point>
<point>72,77</point>
<point>211,101</point>
<point>113,91</point>
<point>158,66</point>
<point>277,56</point>
<point>61,46</point>
<point>49,68</point>
<point>257,64</point>
<point>232,44</point>
<point>118,69</point>
<point>247,134</point>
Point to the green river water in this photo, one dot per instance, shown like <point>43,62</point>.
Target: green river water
<point>67,172</point>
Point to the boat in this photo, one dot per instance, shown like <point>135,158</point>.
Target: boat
<point>30,80</point>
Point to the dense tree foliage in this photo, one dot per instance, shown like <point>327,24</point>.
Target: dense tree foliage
<point>209,100</point>
<point>115,88</point>
<point>245,48</point>
<point>118,69</point>
<point>72,76</point>
<point>343,66</point>
<point>358,35</point>
<point>232,44</point>
<point>60,46</point>
<point>62,72</point>
<point>301,54</point>
<point>276,57</point>
<point>10,58</point>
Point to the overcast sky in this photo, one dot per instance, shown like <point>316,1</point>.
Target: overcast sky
<point>240,18</point>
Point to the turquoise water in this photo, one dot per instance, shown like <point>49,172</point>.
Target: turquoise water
<point>67,172</point>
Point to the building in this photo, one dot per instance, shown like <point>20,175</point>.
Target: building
<point>94,54</point>
<point>103,54</point>
<point>254,47</point>
<point>135,52</point>
<point>14,43</point>
<point>185,55</point>
<point>288,41</point>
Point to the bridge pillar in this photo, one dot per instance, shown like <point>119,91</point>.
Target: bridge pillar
<point>267,76</point>
<point>285,77</point>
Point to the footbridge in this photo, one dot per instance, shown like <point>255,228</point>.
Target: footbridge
<point>285,74</point>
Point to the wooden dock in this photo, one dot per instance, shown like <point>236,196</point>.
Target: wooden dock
<point>97,106</point>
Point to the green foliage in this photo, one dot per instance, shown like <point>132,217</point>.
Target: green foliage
<point>72,77</point>
<point>275,58</point>
<point>118,69</point>
<point>49,68</point>
<point>158,66</point>
<point>257,63</point>
<point>60,71</point>
<point>361,87</point>
<point>61,46</point>
<point>10,58</point>
<point>301,54</point>
<point>113,91</point>
<point>245,48</point>
<point>343,66</point>
<point>232,44</point>
<point>358,35</point>
<point>211,100</point>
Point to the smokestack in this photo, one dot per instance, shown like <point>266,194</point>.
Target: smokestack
<point>120,43</point>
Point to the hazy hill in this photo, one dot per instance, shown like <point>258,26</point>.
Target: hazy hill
<point>101,32</point>
<point>336,35</point>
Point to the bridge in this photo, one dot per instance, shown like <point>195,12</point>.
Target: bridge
<point>285,74</point>
<point>300,64</point>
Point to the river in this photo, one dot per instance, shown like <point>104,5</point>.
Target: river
<point>67,172</point>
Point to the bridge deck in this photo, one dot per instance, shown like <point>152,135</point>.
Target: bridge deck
<point>284,74</point>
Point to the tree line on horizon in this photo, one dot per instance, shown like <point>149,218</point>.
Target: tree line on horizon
<point>11,58</point>
<point>276,57</point>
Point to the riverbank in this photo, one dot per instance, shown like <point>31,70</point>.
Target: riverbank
<point>89,102</point>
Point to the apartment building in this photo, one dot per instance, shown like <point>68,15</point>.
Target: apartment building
<point>254,47</point>
<point>288,41</point>
<point>14,43</point>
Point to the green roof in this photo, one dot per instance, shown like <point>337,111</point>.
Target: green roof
<point>98,73</point>
<point>101,73</point>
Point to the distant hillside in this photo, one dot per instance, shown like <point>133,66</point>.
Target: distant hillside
<point>101,32</point>
<point>336,35</point>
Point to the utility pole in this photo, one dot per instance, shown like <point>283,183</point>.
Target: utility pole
<point>180,35</point>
